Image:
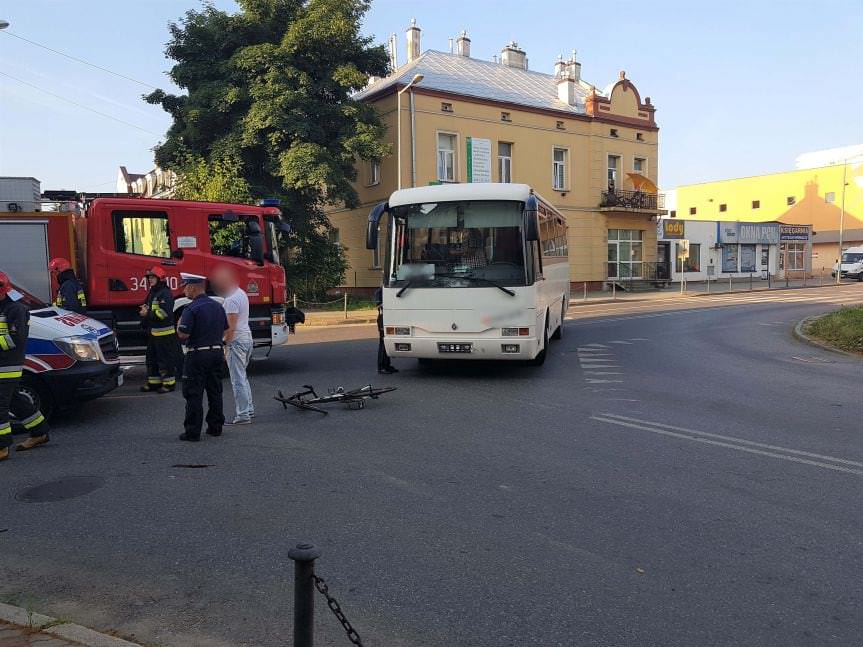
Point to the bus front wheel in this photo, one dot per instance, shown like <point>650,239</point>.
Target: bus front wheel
<point>539,360</point>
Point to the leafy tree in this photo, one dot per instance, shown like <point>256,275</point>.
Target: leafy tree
<point>217,181</point>
<point>269,89</point>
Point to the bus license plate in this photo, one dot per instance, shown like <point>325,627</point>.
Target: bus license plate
<point>453,348</point>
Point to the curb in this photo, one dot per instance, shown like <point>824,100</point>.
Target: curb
<point>340,322</point>
<point>799,333</point>
<point>67,630</point>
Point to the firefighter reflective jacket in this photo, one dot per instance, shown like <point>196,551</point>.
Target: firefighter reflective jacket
<point>71,293</point>
<point>160,310</point>
<point>14,317</point>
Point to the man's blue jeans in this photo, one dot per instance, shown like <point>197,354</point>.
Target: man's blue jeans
<point>239,354</point>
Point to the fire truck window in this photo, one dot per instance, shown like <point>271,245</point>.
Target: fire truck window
<point>145,234</point>
<point>229,238</point>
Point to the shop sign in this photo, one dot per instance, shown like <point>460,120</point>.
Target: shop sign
<point>793,232</point>
<point>673,229</point>
<point>749,233</point>
<point>478,160</point>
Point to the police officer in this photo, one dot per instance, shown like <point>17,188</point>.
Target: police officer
<point>70,294</point>
<point>163,347</point>
<point>202,327</point>
<point>14,319</point>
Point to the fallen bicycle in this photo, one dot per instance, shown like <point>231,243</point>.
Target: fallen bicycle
<point>353,398</point>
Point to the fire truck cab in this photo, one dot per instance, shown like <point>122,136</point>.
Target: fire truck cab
<point>118,239</point>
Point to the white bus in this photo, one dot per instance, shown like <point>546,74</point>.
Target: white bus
<point>471,271</point>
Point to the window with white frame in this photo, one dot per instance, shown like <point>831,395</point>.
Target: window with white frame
<point>559,162</point>
<point>625,253</point>
<point>374,172</point>
<point>639,165</point>
<point>613,170</point>
<point>504,162</point>
<point>446,146</point>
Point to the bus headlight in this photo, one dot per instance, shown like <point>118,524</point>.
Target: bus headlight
<point>510,348</point>
<point>403,347</point>
<point>514,332</point>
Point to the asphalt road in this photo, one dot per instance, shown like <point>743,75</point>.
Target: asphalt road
<point>669,477</point>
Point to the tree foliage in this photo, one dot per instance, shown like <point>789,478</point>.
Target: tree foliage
<point>268,98</point>
<point>217,181</point>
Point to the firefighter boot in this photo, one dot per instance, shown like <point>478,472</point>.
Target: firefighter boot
<point>4,453</point>
<point>33,441</point>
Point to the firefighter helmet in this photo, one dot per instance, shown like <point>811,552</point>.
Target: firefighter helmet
<point>59,265</point>
<point>5,284</point>
<point>156,271</point>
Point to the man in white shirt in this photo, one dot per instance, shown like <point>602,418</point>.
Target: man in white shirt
<point>238,341</point>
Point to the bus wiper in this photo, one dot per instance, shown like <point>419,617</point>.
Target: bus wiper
<point>478,278</point>
<point>404,287</point>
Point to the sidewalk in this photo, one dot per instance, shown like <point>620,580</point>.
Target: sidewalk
<point>22,627</point>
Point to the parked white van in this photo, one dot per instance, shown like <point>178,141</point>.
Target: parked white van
<point>852,264</point>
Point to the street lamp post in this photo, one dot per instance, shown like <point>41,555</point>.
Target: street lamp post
<point>417,78</point>
<point>845,163</point>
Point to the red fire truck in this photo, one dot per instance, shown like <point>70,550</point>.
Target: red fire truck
<point>112,241</point>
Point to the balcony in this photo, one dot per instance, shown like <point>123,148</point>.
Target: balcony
<point>620,199</point>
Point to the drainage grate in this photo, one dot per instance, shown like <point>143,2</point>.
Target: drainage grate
<point>69,487</point>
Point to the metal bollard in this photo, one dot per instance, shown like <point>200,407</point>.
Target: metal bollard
<point>613,290</point>
<point>304,556</point>
<point>346,305</point>
<point>730,287</point>
<point>750,281</point>
<point>585,290</point>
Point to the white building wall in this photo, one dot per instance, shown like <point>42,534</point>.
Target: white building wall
<point>706,235</point>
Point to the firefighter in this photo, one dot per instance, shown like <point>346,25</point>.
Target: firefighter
<point>163,347</point>
<point>14,318</point>
<point>202,328</point>
<point>70,294</point>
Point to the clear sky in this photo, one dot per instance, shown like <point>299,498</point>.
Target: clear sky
<point>740,87</point>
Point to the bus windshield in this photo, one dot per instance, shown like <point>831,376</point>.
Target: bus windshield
<point>457,244</point>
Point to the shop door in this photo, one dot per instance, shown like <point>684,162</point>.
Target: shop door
<point>663,258</point>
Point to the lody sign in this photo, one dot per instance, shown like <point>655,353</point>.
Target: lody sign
<point>673,229</point>
<point>478,160</point>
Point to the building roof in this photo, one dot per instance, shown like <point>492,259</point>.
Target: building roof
<point>481,79</point>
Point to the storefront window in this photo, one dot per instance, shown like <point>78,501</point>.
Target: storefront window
<point>795,255</point>
<point>729,258</point>
<point>692,263</point>
<point>625,253</point>
<point>747,258</point>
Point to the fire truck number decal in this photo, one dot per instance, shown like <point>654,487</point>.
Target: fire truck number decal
<point>141,283</point>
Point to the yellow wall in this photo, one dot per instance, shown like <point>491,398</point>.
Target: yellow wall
<point>533,137</point>
<point>810,189</point>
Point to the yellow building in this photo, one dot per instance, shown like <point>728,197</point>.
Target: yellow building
<point>591,152</point>
<point>826,193</point>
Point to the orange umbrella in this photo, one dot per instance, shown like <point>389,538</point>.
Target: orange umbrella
<point>642,183</point>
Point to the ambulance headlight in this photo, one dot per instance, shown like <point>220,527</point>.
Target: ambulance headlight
<point>81,348</point>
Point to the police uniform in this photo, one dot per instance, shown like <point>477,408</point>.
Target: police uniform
<point>163,347</point>
<point>70,296</point>
<point>204,322</point>
<point>14,321</point>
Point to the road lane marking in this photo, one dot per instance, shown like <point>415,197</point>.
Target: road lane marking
<point>731,442</point>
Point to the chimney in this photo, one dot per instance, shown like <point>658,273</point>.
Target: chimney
<point>566,87</point>
<point>413,34</point>
<point>462,44</point>
<point>573,67</point>
<point>392,45</point>
<point>559,67</point>
<point>512,56</point>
